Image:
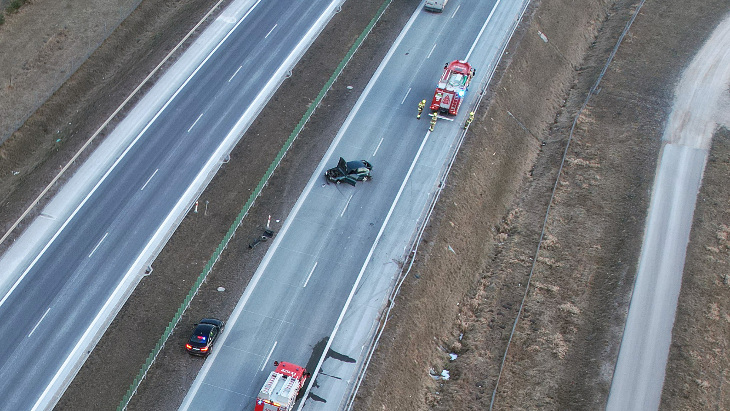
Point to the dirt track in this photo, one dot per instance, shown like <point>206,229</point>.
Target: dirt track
<point>462,301</point>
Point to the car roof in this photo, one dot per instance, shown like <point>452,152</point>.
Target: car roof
<point>353,165</point>
<point>203,328</point>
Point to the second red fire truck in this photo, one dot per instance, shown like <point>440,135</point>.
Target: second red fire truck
<point>280,390</point>
<point>452,87</point>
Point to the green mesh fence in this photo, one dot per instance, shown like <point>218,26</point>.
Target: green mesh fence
<point>246,207</point>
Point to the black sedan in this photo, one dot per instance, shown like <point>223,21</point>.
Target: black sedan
<point>349,172</point>
<point>204,336</point>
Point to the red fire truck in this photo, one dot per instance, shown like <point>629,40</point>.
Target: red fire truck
<point>280,391</point>
<point>452,86</point>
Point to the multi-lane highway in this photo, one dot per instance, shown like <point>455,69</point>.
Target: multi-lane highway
<point>66,276</point>
<point>316,296</point>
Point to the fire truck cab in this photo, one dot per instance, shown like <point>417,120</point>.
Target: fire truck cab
<point>452,86</point>
<point>281,389</point>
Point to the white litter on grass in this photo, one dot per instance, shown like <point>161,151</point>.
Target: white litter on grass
<point>221,289</point>
<point>443,376</point>
<point>453,356</point>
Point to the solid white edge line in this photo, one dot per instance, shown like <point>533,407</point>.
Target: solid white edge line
<point>292,215</point>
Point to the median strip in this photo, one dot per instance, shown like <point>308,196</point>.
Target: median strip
<point>247,206</point>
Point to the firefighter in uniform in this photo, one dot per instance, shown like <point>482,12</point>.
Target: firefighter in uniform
<point>433,115</point>
<point>421,105</point>
<point>469,120</point>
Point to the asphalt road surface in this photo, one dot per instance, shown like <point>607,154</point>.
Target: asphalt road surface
<point>66,277</point>
<point>640,368</point>
<point>315,298</point>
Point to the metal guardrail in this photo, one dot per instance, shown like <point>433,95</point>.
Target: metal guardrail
<point>244,211</point>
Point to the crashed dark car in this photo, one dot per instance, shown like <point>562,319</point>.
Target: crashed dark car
<point>349,172</point>
<point>204,336</point>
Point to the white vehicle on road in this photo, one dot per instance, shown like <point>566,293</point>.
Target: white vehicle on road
<point>435,5</point>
